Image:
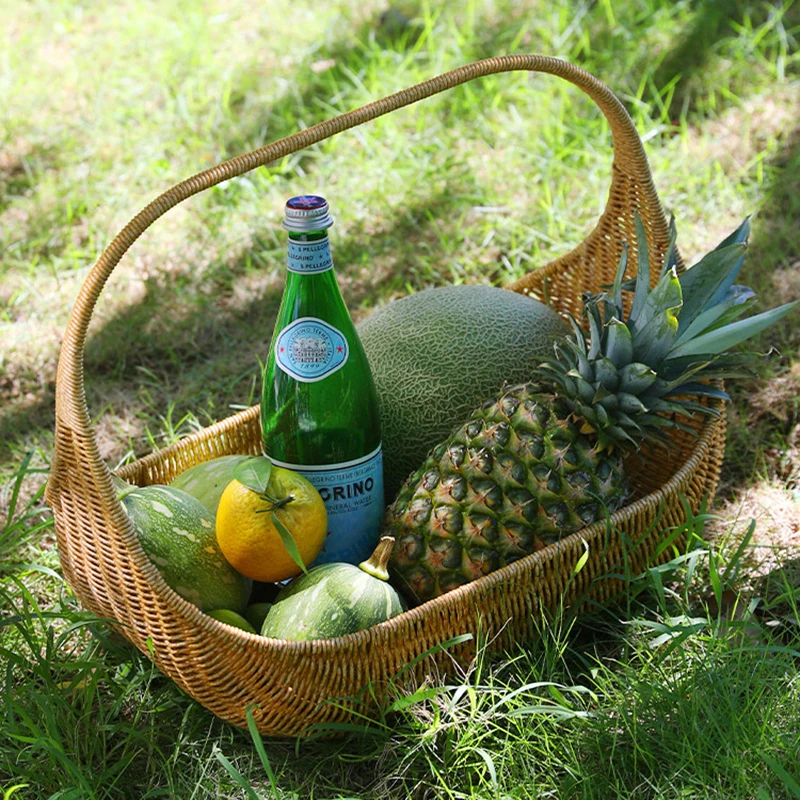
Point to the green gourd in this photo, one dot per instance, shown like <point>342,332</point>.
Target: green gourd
<point>177,533</point>
<point>335,599</point>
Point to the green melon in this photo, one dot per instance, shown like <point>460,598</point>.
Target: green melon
<point>231,618</point>
<point>436,355</point>
<point>256,613</point>
<point>335,599</point>
<point>207,480</point>
<point>177,532</point>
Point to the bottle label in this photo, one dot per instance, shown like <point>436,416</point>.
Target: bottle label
<point>309,349</point>
<point>309,258</point>
<point>353,497</point>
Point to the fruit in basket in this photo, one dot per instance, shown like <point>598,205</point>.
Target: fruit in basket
<point>543,459</point>
<point>335,599</point>
<point>176,532</point>
<point>436,354</point>
<point>269,521</point>
<point>207,480</point>
<point>232,618</point>
<point>256,613</point>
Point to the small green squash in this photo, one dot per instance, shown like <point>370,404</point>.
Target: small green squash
<point>177,533</point>
<point>335,599</point>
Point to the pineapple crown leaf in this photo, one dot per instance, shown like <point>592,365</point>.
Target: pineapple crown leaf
<point>724,338</point>
<point>642,289</point>
<point>626,372</point>
<point>617,286</point>
<point>739,236</point>
<point>656,327</point>
<point>705,390</point>
<point>731,305</point>
<point>708,282</point>
<point>619,343</point>
<point>670,257</point>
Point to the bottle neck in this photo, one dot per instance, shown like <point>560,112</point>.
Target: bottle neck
<point>309,253</point>
<point>309,236</point>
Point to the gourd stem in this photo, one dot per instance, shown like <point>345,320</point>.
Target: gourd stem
<point>376,564</point>
<point>122,487</point>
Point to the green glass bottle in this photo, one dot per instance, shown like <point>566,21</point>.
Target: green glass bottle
<point>319,409</point>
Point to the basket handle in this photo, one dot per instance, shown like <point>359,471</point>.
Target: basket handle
<point>73,424</point>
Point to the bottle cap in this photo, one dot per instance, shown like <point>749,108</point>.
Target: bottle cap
<point>307,213</point>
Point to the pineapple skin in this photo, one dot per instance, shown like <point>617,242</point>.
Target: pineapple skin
<point>517,476</point>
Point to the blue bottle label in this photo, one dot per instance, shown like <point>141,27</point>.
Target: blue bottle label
<point>309,258</point>
<point>353,497</point>
<point>309,349</point>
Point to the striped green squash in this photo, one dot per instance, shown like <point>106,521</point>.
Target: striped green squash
<point>177,532</point>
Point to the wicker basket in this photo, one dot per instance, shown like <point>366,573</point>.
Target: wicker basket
<point>294,685</point>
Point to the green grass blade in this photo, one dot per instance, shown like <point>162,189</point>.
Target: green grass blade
<point>237,776</point>
<point>581,562</point>
<point>734,561</point>
<point>490,766</point>
<point>323,730</point>
<point>12,503</point>
<point>552,711</point>
<point>262,753</point>
<point>790,783</point>
<point>12,790</point>
<point>437,648</point>
<point>714,576</point>
<point>28,568</point>
<point>419,696</point>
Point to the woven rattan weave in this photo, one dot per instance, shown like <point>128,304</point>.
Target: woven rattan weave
<point>292,686</point>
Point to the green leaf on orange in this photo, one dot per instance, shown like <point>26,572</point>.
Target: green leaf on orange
<point>254,473</point>
<point>288,542</point>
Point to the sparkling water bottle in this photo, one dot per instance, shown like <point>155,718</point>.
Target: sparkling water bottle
<point>319,410</point>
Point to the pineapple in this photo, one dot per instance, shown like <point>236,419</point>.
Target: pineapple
<point>545,458</point>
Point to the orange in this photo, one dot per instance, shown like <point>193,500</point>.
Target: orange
<point>248,537</point>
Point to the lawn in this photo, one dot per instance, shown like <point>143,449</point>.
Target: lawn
<point>689,689</point>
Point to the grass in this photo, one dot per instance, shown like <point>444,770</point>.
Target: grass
<point>691,689</point>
